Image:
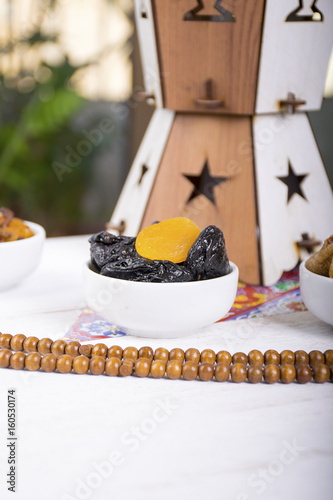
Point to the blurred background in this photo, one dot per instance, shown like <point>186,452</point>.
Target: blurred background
<point>70,121</point>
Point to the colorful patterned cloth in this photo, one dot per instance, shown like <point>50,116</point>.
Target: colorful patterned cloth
<point>251,302</point>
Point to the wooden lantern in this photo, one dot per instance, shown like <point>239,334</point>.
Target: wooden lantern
<point>229,143</point>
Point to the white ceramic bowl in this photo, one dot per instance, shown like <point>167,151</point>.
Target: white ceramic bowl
<point>20,258</point>
<point>160,310</point>
<point>317,294</point>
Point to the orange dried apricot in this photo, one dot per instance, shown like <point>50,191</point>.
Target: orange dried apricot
<point>170,240</point>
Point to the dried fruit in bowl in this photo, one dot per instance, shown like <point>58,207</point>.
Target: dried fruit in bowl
<point>322,261</point>
<point>12,228</point>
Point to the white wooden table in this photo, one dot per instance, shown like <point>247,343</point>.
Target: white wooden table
<point>87,437</point>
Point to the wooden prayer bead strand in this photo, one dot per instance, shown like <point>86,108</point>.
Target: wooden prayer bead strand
<point>130,353</point>
<point>115,352</point>
<point>97,365</point>
<point>99,350</point>
<point>142,367</point>
<point>48,363</point>
<point>224,357</point>
<point>255,358</point>
<point>174,369</point>
<point>238,373</point>
<point>315,358</point>
<point>146,352</point>
<point>161,354</point>
<point>5,355</point>
<point>272,357</point>
<point>44,346</point>
<point>126,368</point>
<point>254,374</point>
<point>112,366</point>
<point>287,357</point>
<point>81,364</point>
<point>271,374</point>
<point>30,344</point>
<point>64,364</point>
<point>192,354</point>
<point>177,354</point>
<point>17,360</point>
<point>222,372</point>
<point>190,370</point>
<point>85,350</point>
<point>72,349</point>
<point>33,361</point>
<point>5,340</point>
<point>208,356</point>
<point>157,368</point>
<point>288,373</point>
<point>16,343</point>
<point>240,357</point>
<point>301,358</point>
<point>321,373</point>
<point>58,348</point>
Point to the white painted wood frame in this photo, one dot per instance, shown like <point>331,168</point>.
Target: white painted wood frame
<point>294,55</point>
<point>133,199</point>
<point>278,140</point>
<point>148,49</point>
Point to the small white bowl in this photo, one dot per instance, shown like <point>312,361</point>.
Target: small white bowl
<point>317,294</point>
<point>160,310</point>
<point>20,258</point>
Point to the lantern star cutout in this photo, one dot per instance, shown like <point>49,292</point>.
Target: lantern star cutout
<point>204,183</point>
<point>293,182</point>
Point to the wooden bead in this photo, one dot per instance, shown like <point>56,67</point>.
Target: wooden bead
<point>99,350</point>
<point>321,373</point>
<point>272,357</point>
<point>208,356</point>
<point>16,343</point>
<point>72,349</point>
<point>30,344</point>
<point>190,370</point>
<point>271,374</point>
<point>240,357</point>
<point>206,371</point>
<point>161,354</point>
<point>96,365</point>
<point>85,350</point>
<point>80,364</point>
<point>256,358</point>
<point>115,352</point>
<point>157,368</point>
<point>303,374</point>
<point>301,358</point>
<point>44,346</point>
<point>146,352</point>
<point>131,353</point>
<point>64,363</point>
<point>174,369</point>
<point>222,372</point>
<point>192,354</point>
<point>33,361</point>
<point>254,374</point>
<point>5,339</point>
<point>224,357</point>
<point>177,354</point>
<point>5,355</point>
<point>288,373</point>
<point>58,347</point>
<point>329,357</point>
<point>315,358</point>
<point>287,357</point>
<point>17,360</point>
<point>142,367</point>
<point>126,368</point>
<point>238,372</point>
<point>48,363</point>
<point>112,366</point>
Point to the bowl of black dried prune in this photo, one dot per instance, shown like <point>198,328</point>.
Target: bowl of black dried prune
<point>160,298</point>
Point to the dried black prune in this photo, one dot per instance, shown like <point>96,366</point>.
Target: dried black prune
<point>106,247</point>
<point>141,269</point>
<point>207,257</point>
